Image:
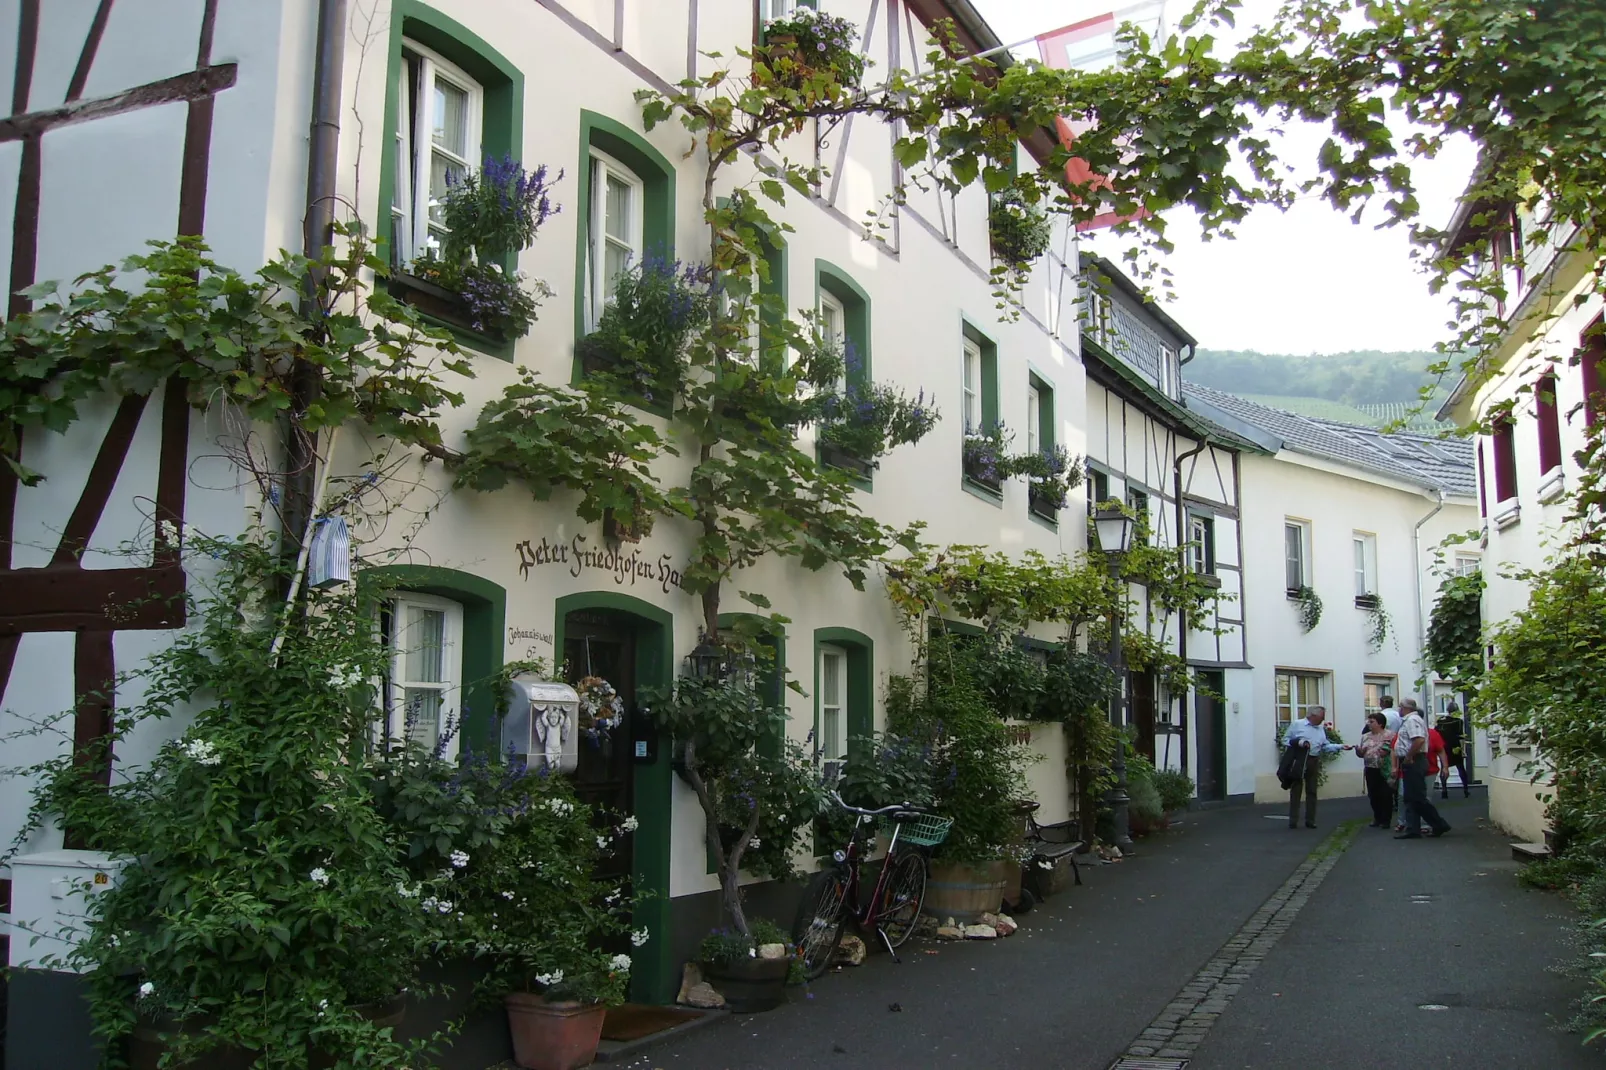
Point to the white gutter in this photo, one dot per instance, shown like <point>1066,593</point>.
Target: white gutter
<point>1421,614</point>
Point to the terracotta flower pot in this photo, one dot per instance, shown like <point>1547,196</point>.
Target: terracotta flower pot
<point>749,985</point>
<point>553,1036</point>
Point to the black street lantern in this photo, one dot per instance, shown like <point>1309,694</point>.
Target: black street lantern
<point>706,661</point>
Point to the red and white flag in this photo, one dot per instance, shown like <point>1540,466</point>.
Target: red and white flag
<point>1091,45</point>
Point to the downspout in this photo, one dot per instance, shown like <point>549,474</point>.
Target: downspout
<point>317,232</point>
<point>1182,616</point>
<point>1421,616</point>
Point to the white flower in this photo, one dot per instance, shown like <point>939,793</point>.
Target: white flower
<point>602,843</point>
<point>344,678</point>
<point>547,980</point>
<point>1043,863</point>
<point>620,963</point>
<point>406,892</point>
<point>323,1006</point>
<point>201,752</point>
<point>319,875</point>
<point>507,895</point>
<point>629,824</point>
<point>638,937</point>
<point>170,530</point>
<point>753,843</point>
<point>445,906</point>
<point>430,903</point>
<point>147,990</point>
<point>459,859</point>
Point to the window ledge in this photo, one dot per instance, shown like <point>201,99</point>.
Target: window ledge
<point>441,307</point>
<point>994,496</point>
<point>1507,513</point>
<point>1209,579</point>
<point>1552,485</point>
<point>1367,601</point>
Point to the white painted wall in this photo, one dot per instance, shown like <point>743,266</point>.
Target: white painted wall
<point>1337,502</point>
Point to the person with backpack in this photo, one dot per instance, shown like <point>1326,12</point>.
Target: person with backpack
<point>1303,746</point>
<point>1451,728</point>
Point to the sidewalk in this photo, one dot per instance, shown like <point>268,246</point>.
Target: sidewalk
<point>1091,969</point>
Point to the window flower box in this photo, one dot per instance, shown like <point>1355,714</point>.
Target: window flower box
<point>836,457</point>
<point>984,473</point>
<point>1043,503</point>
<point>440,304</point>
<point>1367,601</point>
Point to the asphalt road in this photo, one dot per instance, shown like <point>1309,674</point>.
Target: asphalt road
<point>1090,969</point>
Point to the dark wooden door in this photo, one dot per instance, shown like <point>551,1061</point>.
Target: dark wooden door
<point>1210,735</point>
<point>603,644</point>
<point>1143,713</point>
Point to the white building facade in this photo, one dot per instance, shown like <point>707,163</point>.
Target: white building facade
<point>1358,518</point>
<point>1534,397</point>
<point>428,88</point>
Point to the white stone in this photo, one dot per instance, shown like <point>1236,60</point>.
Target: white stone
<point>1005,925</point>
<point>703,995</point>
<point>772,951</point>
<point>980,932</point>
<point>950,932</point>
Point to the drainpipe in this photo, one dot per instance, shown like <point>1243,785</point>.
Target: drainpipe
<point>1421,616</point>
<point>317,232</point>
<point>1182,617</point>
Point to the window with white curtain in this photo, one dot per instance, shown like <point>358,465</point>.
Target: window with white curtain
<point>1034,421</point>
<point>833,703</point>
<point>425,686</point>
<point>971,386</point>
<point>438,119</point>
<point>1365,564</point>
<point>1296,554</point>
<point>614,232</point>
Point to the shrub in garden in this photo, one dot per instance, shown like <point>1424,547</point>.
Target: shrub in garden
<point>265,901</point>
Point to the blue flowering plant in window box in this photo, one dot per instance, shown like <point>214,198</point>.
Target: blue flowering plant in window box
<point>864,420</point>
<point>491,216</point>
<point>659,306</point>
<point>1050,474</point>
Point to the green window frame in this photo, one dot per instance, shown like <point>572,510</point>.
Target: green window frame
<point>657,176</point>
<point>1042,415</point>
<point>859,700</point>
<point>501,118</point>
<point>830,279</point>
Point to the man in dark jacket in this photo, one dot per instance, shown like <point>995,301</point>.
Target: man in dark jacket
<point>1451,728</point>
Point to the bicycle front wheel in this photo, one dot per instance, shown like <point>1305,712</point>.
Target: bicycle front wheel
<point>900,903</point>
<point>820,917</point>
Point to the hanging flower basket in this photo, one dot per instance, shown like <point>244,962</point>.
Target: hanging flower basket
<point>840,458</point>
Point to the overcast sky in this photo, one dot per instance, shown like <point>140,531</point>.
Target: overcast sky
<point>1304,281</point>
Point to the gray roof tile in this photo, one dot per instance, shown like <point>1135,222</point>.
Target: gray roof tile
<point>1444,464</point>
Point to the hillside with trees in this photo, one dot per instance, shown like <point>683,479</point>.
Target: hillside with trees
<point>1360,377</point>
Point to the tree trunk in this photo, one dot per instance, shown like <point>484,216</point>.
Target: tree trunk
<point>729,864</point>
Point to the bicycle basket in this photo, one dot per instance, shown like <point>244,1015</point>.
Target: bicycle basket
<point>927,831</point>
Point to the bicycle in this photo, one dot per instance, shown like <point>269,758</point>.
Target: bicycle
<point>894,902</point>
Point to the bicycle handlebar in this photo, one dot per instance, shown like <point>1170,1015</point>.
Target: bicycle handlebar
<point>871,813</point>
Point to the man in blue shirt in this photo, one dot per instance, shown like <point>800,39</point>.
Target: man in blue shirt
<point>1309,734</point>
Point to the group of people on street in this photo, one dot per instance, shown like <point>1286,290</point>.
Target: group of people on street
<point>1400,754</point>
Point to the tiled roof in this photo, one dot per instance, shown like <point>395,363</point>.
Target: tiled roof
<point>1444,464</point>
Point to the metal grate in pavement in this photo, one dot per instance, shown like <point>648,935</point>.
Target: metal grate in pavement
<point>1128,1062</point>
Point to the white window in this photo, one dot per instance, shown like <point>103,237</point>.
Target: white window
<point>1202,544</point>
<point>1297,692</point>
<point>834,328</point>
<point>972,387</point>
<point>437,142</point>
<point>1034,418</point>
<point>1296,553</point>
<point>1170,372</point>
<point>614,231</point>
<point>833,703</point>
<point>1365,548</point>
<point>779,9</point>
<point>425,685</point>
<point>1374,690</point>
<point>1466,564</point>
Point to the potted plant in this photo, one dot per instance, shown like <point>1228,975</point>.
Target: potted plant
<point>718,719</point>
<point>865,420</point>
<point>749,970</point>
<point>1050,474</point>
<point>263,913</point>
<point>986,456</point>
<point>658,306</point>
<point>1020,232</point>
<point>978,777</point>
<point>490,215</point>
<point>804,46</point>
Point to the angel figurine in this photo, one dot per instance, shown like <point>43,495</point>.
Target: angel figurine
<point>552,729</point>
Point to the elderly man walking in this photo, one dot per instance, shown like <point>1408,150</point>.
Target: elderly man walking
<point>1309,735</point>
<point>1411,752</point>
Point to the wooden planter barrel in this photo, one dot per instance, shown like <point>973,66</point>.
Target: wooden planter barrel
<point>749,985</point>
<point>962,892</point>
